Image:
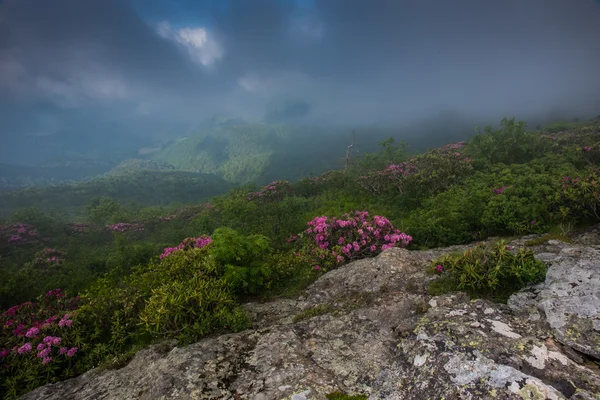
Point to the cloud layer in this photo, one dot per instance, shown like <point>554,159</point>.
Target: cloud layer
<point>143,63</point>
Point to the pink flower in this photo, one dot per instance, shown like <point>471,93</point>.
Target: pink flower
<point>26,348</point>
<point>317,267</point>
<point>41,346</point>
<point>46,360</point>
<point>63,350</point>
<point>4,353</point>
<point>439,268</point>
<point>72,351</point>
<point>340,259</point>
<point>44,353</point>
<point>373,248</point>
<point>32,332</point>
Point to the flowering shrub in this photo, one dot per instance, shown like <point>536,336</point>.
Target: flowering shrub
<point>591,154</point>
<point>48,257</point>
<point>333,241</point>
<point>494,271</point>
<point>274,191</point>
<point>188,243</point>
<point>578,198</point>
<point>167,218</point>
<point>499,190</point>
<point>125,227</point>
<point>18,233</point>
<point>37,342</point>
<point>424,175</point>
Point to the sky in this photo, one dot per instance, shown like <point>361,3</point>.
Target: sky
<point>98,72</point>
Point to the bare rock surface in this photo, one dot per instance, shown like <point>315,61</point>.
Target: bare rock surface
<point>373,330</point>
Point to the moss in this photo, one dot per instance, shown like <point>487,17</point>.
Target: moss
<point>421,307</point>
<point>313,312</point>
<point>549,236</point>
<point>344,396</point>
<point>441,286</point>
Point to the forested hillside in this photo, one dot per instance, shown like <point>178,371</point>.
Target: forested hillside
<point>142,187</point>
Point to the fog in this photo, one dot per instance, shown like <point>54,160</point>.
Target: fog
<point>108,73</point>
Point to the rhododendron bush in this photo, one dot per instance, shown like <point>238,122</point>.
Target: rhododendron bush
<point>188,243</point>
<point>579,197</point>
<point>334,241</point>
<point>424,175</point>
<point>37,341</point>
<point>274,191</point>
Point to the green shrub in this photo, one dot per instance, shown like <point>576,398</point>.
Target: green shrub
<point>242,260</point>
<point>189,309</point>
<point>578,199</point>
<point>494,271</point>
<point>508,145</point>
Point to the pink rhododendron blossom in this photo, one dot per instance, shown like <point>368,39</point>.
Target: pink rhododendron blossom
<point>32,332</point>
<point>45,352</point>
<point>188,243</point>
<point>72,351</point>
<point>26,348</point>
<point>355,235</point>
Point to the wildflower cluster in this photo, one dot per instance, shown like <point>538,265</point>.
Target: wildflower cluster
<point>188,243</point>
<point>332,241</point>
<point>273,191</point>
<point>18,233</point>
<point>125,227</point>
<point>42,325</point>
<point>48,257</point>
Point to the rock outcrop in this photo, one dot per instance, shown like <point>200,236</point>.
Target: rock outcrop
<point>370,328</point>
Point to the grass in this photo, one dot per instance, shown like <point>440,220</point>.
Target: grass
<point>315,311</point>
<point>545,238</point>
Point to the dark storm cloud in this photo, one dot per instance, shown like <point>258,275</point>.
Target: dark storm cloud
<point>168,61</point>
